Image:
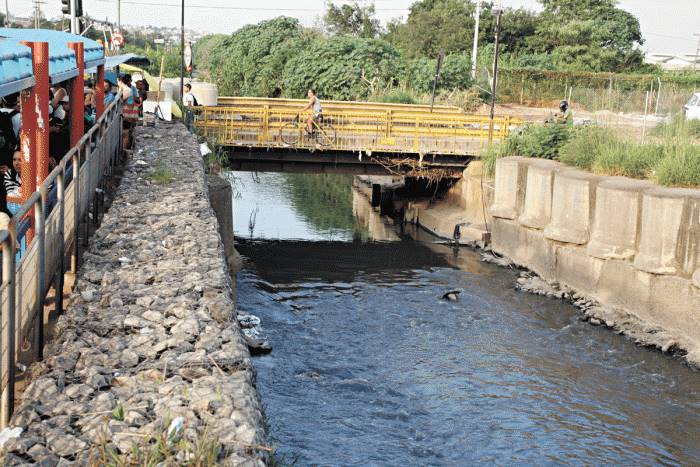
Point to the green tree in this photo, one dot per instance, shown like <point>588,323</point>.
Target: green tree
<point>252,60</point>
<point>591,35</point>
<point>343,68</point>
<point>352,20</point>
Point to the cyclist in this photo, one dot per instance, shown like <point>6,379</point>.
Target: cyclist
<point>317,112</point>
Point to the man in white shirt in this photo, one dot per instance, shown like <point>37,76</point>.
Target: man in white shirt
<point>188,99</point>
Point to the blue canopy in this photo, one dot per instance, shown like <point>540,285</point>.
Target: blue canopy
<point>15,67</point>
<point>62,65</point>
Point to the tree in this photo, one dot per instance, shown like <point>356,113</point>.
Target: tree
<point>352,20</point>
<point>435,25</point>
<point>592,35</point>
<point>343,68</point>
<point>251,61</point>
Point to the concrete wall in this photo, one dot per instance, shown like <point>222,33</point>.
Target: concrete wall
<point>626,243</point>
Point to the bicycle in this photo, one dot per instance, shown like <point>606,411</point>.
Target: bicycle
<point>293,132</point>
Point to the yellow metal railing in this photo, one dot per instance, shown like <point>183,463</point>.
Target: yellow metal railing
<point>366,127</point>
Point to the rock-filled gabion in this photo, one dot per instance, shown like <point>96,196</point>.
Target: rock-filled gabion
<point>150,334</point>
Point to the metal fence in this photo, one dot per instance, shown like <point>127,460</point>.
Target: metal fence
<point>367,127</point>
<point>56,212</point>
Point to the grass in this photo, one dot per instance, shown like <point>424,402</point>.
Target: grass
<point>162,175</point>
<point>671,157</point>
<point>162,449</point>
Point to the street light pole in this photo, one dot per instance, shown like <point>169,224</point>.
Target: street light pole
<point>497,11</point>
<point>476,38</point>
<point>119,15</point>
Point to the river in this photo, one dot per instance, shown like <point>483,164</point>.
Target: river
<point>371,367</point>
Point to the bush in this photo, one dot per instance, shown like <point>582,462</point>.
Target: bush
<point>681,166</point>
<point>542,141</point>
<point>398,96</point>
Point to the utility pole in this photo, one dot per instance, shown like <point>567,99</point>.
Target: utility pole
<point>73,18</point>
<point>498,12</point>
<point>119,15</point>
<point>7,14</point>
<point>182,51</point>
<point>476,38</point>
<point>697,52</point>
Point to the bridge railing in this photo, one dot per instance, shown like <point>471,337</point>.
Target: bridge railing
<point>335,106</point>
<point>54,213</point>
<point>388,130</point>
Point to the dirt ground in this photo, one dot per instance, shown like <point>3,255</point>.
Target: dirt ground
<point>633,124</point>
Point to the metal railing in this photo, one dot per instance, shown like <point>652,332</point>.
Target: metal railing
<point>403,130</point>
<point>73,184</point>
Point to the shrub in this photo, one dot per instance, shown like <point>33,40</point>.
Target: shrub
<point>681,166</point>
<point>398,96</point>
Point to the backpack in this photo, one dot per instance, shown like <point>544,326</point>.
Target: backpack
<point>194,100</point>
<point>8,139</point>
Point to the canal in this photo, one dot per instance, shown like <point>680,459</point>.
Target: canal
<point>371,367</point>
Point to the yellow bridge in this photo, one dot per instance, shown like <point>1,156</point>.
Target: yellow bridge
<point>360,128</point>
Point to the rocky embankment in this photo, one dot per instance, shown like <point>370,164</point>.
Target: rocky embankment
<point>148,353</point>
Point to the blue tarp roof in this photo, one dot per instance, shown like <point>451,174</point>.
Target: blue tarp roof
<point>15,67</point>
<point>62,64</point>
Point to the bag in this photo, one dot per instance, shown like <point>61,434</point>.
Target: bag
<point>8,139</point>
<point>194,101</point>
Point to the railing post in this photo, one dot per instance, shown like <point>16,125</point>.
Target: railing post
<point>40,229</point>
<point>75,256</point>
<point>77,96</point>
<point>58,287</point>
<point>7,399</point>
<point>388,124</point>
<point>100,92</point>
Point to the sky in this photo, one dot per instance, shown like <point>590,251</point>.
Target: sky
<point>667,25</point>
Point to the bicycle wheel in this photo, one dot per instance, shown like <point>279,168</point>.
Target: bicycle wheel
<point>289,134</point>
<point>325,135</point>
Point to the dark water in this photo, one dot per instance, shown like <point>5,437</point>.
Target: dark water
<point>370,367</point>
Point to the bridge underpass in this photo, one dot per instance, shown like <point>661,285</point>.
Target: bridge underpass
<point>262,134</point>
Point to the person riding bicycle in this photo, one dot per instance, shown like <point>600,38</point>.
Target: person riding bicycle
<point>317,111</point>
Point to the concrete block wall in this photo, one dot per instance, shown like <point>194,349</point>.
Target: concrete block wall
<point>626,243</point>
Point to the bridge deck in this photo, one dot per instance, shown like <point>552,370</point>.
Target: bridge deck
<point>352,127</point>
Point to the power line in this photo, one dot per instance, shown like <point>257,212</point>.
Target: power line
<point>243,8</point>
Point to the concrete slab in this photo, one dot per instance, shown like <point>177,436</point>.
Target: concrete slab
<point>573,202</point>
<point>617,217</point>
<point>537,209</point>
<point>663,212</point>
<point>511,178</point>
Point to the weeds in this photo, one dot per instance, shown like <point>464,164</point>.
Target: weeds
<point>161,449</point>
<point>162,175</point>
<point>671,158</point>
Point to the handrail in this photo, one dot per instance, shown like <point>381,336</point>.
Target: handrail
<point>56,232</point>
<point>354,129</point>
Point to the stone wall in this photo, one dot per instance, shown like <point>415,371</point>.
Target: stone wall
<point>629,245</point>
<point>150,336</point>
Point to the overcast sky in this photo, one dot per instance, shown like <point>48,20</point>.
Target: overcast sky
<point>668,25</point>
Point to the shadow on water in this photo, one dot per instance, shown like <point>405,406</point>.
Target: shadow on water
<point>371,367</point>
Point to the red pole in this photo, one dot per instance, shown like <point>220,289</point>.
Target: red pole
<point>77,96</point>
<point>100,92</point>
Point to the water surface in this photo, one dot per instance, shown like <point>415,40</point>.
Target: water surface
<point>371,367</point>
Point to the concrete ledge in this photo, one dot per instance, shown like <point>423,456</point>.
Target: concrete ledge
<point>662,220</point>
<point>573,202</point>
<point>537,209</point>
<point>617,218</point>
<point>511,177</point>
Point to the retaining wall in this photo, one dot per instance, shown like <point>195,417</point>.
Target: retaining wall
<point>631,246</point>
<point>626,243</point>
<point>150,335</point>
